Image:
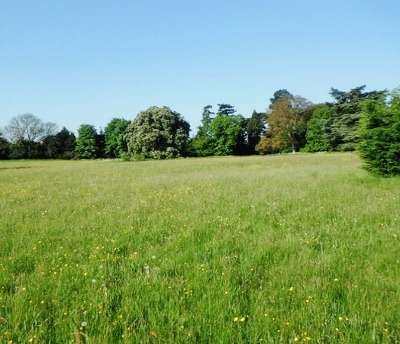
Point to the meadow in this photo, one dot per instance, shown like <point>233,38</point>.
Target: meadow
<point>273,249</point>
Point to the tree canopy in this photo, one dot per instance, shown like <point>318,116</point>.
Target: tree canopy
<point>286,125</point>
<point>379,145</point>
<point>86,143</point>
<point>115,141</point>
<point>158,133</point>
<point>28,127</point>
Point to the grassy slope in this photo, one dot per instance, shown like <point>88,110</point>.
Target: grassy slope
<point>219,250</point>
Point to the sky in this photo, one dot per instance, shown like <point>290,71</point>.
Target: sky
<point>76,62</point>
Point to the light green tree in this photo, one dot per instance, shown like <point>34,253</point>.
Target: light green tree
<point>225,133</point>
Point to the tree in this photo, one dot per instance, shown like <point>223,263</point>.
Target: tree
<point>379,145</point>
<point>86,144</point>
<point>60,146</point>
<point>226,109</point>
<point>255,128</point>
<point>202,144</point>
<point>319,130</point>
<point>343,131</point>
<point>115,142</point>
<point>4,148</point>
<point>286,125</point>
<point>279,95</point>
<point>66,143</point>
<point>29,128</point>
<point>158,133</point>
<point>225,133</point>
<point>222,135</point>
<point>100,144</point>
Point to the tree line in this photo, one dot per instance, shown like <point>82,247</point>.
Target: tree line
<point>354,120</point>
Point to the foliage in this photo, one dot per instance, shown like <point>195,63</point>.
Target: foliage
<point>287,123</point>
<point>25,149</point>
<point>226,132</point>
<point>222,135</point>
<point>318,135</point>
<point>115,142</point>
<point>277,249</point>
<point>226,110</point>
<point>343,131</point>
<point>202,143</point>
<point>255,129</point>
<point>86,143</point>
<point>380,136</point>
<point>4,148</point>
<point>29,128</point>
<point>278,95</point>
<point>100,144</point>
<point>65,144</point>
<point>158,133</point>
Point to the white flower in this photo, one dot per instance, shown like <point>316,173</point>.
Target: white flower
<point>84,324</point>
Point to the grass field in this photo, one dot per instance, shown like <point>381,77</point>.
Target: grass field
<point>274,249</point>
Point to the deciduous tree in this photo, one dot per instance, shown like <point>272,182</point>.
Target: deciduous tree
<point>158,133</point>
<point>286,125</point>
<point>115,142</point>
<point>225,133</point>
<point>29,128</point>
<point>319,127</point>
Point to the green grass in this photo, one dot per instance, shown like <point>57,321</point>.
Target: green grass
<point>275,249</point>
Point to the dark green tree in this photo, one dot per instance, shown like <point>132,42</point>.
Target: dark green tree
<point>379,131</point>
<point>279,94</point>
<point>115,143</point>
<point>26,149</point>
<point>86,143</point>
<point>100,144</point>
<point>66,142</point>
<point>346,110</point>
<point>226,109</point>
<point>4,148</point>
<point>255,128</point>
<point>158,133</point>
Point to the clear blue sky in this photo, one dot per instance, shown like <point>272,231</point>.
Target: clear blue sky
<point>78,62</point>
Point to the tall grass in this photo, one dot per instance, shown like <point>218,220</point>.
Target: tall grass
<point>276,249</point>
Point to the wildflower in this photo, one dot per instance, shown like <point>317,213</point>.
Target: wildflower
<point>94,281</point>
<point>84,324</point>
<point>153,257</point>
